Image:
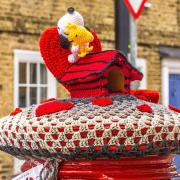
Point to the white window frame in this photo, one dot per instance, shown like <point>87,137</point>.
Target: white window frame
<point>169,66</point>
<point>142,63</point>
<point>28,56</point>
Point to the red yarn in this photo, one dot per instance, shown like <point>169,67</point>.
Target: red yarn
<point>102,101</point>
<point>16,111</point>
<point>174,108</point>
<point>54,55</point>
<point>47,100</point>
<point>52,107</point>
<point>96,42</point>
<point>144,108</point>
<point>146,95</point>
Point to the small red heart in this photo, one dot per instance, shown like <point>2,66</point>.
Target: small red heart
<point>98,148</point>
<point>22,135</point>
<point>25,129</point>
<point>42,136</point>
<point>55,136</point>
<point>106,140</point>
<point>6,133</point>
<point>122,140</point>
<point>29,143</point>
<point>113,148</point>
<point>20,143</point>
<point>170,128</point>
<point>63,143</point>
<point>46,129</point>
<point>69,136</point>
<point>34,129</point>
<point>137,139</point>
<point>75,128</point>
<point>144,131</point>
<point>17,128</point>
<point>31,136</point>
<point>61,129</point>
<point>158,129</point>
<point>114,132</point>
<point>99,133</point>
<point>91,141</point>
<point>50,143</point>
<point>91,126</point>
<point>76,143</point>
<point>84,134</point>
<point>129,133</point>
<point>107,126</point>
<point>128,147</point>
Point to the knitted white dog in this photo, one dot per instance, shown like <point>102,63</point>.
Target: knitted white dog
<point>74,17</point>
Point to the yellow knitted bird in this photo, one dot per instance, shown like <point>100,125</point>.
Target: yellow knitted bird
<point>79,36</point>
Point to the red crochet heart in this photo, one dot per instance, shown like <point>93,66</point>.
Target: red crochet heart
<point>144,108</point>
<point>54,55</point>
<point>52,107</point>
<point>105,101</point>
<point>16,111</point>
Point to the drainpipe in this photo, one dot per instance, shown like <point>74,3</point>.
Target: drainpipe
<point>125,33</point>
<point>121,26</point>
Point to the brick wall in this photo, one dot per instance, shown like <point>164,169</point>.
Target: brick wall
<point>6,163</point>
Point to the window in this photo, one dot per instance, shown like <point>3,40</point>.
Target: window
<point>170,66</point>
<point>32,82</point>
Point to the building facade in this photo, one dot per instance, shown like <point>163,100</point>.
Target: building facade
<point>23,77</point>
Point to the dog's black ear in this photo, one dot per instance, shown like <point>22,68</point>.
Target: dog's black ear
<point>64,42</point>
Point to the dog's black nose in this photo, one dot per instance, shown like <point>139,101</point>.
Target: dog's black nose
<point>70,10</point>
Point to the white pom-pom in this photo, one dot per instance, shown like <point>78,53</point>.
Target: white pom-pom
<point>72,58</point>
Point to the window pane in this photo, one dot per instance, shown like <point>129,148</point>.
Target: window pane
<point>33,95</point>
<point>43,74</point>
<point>43,93</point>
<point>22,72</point>
<point>22,97</point>
<point>33,73</point>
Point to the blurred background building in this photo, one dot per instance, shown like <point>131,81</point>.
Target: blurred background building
<point>23,78</point>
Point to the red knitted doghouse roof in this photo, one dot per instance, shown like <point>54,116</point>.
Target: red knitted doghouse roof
<point>95,64</point>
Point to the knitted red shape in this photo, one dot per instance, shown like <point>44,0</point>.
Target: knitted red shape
<point>144,108</point>
<point>52,107</point>
<point>47,100</point>
<point>54,56</point>
<point>16,111</point>
<point>96,42</point>
<point>102,101</point>
<point>174,108</point>
<point>146,95</point>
